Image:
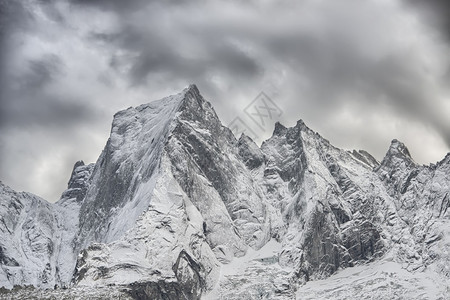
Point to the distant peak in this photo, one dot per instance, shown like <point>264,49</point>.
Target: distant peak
<point>191,87</point>
<point>398,147</point>
<point>191,94</point>
<point>300,123</point>
<point>298,128</point>
<point>190,90</point>
<point>78,164</point>
<point>398,153</point>
<point>279,129</point>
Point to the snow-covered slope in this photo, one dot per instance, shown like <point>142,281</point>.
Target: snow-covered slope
<point>37,238</point>
<point>177,207</point>
<point>28,229</point>
<point>382,279</point>
<point>422,199</point>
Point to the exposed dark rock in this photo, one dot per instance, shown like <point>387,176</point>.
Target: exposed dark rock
<point>7,261</point>
<point>250,152</point>
<point>79,181</point>
<point>160,290</point>
<point>187,272</point>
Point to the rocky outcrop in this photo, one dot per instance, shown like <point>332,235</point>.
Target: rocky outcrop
<point>79,182</point>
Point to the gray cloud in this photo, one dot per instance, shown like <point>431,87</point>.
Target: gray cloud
<point>154,52</point>
<point>361,73</point>
<point>117,6</point>
<point>27,103</point>
<point>436,12</point>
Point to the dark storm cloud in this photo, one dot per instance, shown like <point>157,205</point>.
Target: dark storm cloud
<point>41,120</point>
<point>45,111</point>
<point>26,102</point>
<point>23,101</point>
<point>41,72</point>
<point>11,14</point>
<point>223,57</point>
<point>437,13</point>
<point>118,6</point>
<point>155,52</point>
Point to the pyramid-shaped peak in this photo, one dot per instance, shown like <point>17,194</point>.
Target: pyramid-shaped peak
<point>187,105</point>
<point>279,129</point>
<point>301,125</point>
<point>191,88</point>
<point>191,93</point>
<point>397,148</point>
<point>398,154</point>
<point>189,99</point>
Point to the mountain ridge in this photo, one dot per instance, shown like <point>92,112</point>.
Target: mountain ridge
<point>175,199</point>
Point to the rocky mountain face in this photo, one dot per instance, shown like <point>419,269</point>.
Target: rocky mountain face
<point>177,208</point>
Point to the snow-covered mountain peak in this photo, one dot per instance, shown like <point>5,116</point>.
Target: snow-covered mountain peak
<point>174,103</point>
<point>292,132</point>
<point>398,148</point>
<point>129,161</point>
<point>300,124</point>
<point>195,110</point>
<point>279,129</point>
<point>78,182</point>
<point>446,160</point>
<point>397,157</point>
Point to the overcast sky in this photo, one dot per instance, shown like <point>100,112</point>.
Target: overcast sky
<point>361,73</point>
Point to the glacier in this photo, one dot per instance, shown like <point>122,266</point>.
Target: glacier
<point>177,207</point>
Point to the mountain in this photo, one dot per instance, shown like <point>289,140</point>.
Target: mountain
<point>177,208</point>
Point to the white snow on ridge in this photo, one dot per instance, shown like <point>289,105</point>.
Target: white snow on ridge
<point>383,279</point>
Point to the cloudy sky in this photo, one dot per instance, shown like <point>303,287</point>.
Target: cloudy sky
<point>359,72</point>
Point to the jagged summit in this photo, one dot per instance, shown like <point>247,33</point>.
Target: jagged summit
<point>397,156</point>
<point>77,185</point>
<point>188,98</point>
<point>301,124</point>
<point>279,129</point>
<point>398,147</point>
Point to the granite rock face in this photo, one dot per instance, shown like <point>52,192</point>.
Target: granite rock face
<point>177,208</point>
